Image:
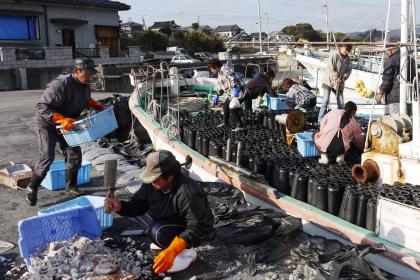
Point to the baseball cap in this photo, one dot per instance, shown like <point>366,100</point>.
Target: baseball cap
<point>85,64</point>
<point>157,163</point>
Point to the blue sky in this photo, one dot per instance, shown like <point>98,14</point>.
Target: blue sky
<point>346,15</point>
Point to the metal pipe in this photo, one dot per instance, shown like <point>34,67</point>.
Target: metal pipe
<point>239,153</point>
<point>404,56</point>
<point>415,97</point>
<point>228,149</point>
<point>398,44</point>
<point>47,35</point>
<point>239,169</point>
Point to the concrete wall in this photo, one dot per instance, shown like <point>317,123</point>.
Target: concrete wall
<point>84,34</point>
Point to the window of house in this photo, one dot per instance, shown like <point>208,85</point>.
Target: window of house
<point>19,28</point>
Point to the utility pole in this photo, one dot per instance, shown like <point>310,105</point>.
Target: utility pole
<point>259,25</point>
<point>268,31</point>
<point>198,21</point>
<point>181,17</point>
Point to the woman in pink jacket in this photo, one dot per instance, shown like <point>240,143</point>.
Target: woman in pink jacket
<point>338,128</point>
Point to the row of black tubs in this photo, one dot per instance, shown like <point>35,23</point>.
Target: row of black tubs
<point>330,188</point>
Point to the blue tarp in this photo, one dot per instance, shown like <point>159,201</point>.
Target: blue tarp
<point>18,28</point>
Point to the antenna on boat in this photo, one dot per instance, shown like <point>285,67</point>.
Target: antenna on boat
<point>404,56</point>
<point>326,23</point>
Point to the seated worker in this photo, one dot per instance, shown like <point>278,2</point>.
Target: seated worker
<point>257,87</point>
<point>226,82</point>
<point>172,206</point>
<point>338,128</point>
<point>298,96</point>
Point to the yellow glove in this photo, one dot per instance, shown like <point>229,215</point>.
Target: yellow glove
<point>166,258</point>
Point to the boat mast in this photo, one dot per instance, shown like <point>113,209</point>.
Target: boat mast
<point>259,25</point>
<point>326,23</point>
<point>404,56</point>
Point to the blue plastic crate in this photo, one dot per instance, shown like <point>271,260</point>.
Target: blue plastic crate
<point>306,145</point>
<point>277,103</point>
<point>91,128</point>
<point>37,232</point>
<point>56,176</point>
<point>96,202</point>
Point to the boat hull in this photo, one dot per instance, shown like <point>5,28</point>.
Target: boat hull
<point>397,260</point>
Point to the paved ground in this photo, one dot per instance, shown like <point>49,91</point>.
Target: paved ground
<point>18,144</point>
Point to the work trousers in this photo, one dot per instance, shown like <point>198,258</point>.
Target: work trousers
<point>161,232</point>
<point>393,108</point>
<point>48,136</point>
<point>326,101</point>
<point>249,97</point>
<point>235,114</point>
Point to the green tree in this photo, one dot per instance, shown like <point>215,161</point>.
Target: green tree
<point>166,30</point>
<point>303,31</point>
<point>195,26</point>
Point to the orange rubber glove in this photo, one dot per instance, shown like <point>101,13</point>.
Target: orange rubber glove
<point>92,103</point>
<point>166,258</point>
<point>66,123</point>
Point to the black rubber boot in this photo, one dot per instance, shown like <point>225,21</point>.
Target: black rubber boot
<point>32,190</point>
<point>71,182</point>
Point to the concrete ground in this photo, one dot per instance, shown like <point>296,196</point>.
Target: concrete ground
<point>19,145</point>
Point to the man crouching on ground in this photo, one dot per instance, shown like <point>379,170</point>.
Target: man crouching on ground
<point>172,206</point>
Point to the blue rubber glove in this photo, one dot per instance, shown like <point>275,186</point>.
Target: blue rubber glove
<point>216,100</point>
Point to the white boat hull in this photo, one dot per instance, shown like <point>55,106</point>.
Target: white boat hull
<point>315,221</point>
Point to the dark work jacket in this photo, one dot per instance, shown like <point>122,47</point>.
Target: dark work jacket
<point>390,78</point>
<point>259,85</point>
<point>185,203</point>
<point>64,95</point>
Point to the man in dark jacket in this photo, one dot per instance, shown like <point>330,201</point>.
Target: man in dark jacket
<point>257,87</point>
<point>61,103</point>
<point>390,87</point>
<point>172,206</point>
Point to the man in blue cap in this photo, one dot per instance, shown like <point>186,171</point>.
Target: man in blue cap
<point>61,103</point>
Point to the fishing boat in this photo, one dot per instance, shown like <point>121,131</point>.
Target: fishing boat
<point>161,94</point>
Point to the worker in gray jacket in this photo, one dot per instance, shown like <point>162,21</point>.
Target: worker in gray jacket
<point>339,68</point>
<point>390,86</point>
<point>61,103</point>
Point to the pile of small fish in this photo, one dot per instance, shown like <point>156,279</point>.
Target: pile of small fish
<point>83,258</point>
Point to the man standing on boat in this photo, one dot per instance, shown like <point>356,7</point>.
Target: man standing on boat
<point>339,68</point>
<point>61,103</point>
<point>227,81</point>
<point>172,206</point>
<point>390,87</point>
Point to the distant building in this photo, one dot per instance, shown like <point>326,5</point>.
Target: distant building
<point>159,25</point>
<point>132,29</point>
<point>48,23</point>
<point>279,36</point>
<point>243,36</point>
<point>227,31</point>
<point>256,36</point>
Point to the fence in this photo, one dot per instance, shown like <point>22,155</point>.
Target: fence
<point>30,54</point>
<point>85,53</point>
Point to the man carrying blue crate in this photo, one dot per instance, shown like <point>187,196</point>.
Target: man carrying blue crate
<point>172,206</point>
<point>61,103</point>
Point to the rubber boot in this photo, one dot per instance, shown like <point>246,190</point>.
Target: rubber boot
<point>32,190</point>
<point>323,159</point>
<point>71,182</point>
<point>340,160</point>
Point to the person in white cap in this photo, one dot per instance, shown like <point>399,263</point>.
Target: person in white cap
<point>173,207</point>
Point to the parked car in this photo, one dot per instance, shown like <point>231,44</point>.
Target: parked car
<point>180,59</point>
<point>149,56</point>
<point>204,56</point>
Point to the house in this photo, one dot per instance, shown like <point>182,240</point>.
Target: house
<point>227,31</point>
<point>243,36</point>
<point>79,24</point>
<point>256,36</point>
<point>207,29</point>
<point>132,29</point>
<point>159,25</point>
<point>279,36</point>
